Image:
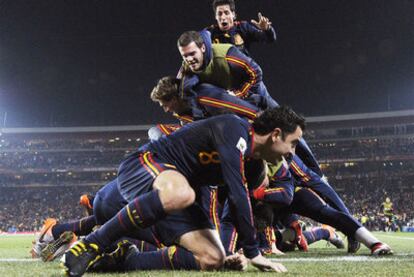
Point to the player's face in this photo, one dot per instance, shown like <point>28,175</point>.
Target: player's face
<point>225,17</point>
<point>175,105</point>
<point>286,147</point>
<point>193,55</point>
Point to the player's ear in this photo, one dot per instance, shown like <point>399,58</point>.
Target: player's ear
<point>203,48</point>
<point>276,134</point>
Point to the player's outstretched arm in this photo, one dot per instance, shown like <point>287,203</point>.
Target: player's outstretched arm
<point>264,264</point>
<point>263,22</point>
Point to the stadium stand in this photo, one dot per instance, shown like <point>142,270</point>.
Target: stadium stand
<point>43,171</point>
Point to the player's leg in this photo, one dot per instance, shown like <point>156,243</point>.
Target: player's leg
<point>206,246</point>
<point>80,227</point>
<point>149,201</point>
<point>193,241</point>
<point>171,192</point>
<point>309,204</point>
<point>46,246</point>
<point>324,233</point>
<point>307,178</point>
<point>63,235</point>
<point>199,249</point>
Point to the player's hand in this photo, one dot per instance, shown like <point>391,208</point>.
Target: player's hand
<point>263,23</point>
<point>276,251</point>
<point>264,264</point>
<point>236,262</point>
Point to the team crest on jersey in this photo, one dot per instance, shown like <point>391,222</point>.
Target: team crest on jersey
<point>242,145</point>
<point>238,40</point>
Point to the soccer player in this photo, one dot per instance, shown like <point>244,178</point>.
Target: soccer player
<point>307,203</point>
<point>239,33</point>
<point>224,66</point>
<point>212,100</point>
<point>162,177</point>
<point>284,238</point>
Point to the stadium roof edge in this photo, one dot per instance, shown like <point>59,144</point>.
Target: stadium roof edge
<point>91,129</point>
<point>125,128</point>
<point>345,117</point>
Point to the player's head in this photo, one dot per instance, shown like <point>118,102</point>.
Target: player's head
<point>192,48</point>
<point>225,13</point>
<point>284,127</point>
<point>166,94</point>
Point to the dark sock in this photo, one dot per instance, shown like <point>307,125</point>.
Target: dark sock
<point>173,257</point>
<point>142,212</point>
<point>80,227</point>
<point>316,234</point>
<point>144,246</point>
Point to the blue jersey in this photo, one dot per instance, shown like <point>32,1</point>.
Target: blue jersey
<point>212,151</point>
<point>241,35</point>
<point>245,74</point>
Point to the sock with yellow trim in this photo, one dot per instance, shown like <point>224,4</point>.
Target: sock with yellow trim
<point>173,257</point>
<point>142,212</point>
<point>80,227</point>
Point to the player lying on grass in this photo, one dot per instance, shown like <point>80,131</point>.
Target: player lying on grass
<point>305,202</point>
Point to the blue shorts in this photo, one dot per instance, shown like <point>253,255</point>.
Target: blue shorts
<point>137,172</point>
<point>109,201</point>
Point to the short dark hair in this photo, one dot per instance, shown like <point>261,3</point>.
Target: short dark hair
<point>282,117</point>
<point>188,37</point>
<point>166,89</point>
<point>217,3</point>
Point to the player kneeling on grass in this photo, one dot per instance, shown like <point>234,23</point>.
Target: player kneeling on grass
<point>155,183</point>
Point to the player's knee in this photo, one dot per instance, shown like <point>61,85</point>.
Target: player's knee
<point>212,259</point>
<point>186,196</point>
<point>174,190</point>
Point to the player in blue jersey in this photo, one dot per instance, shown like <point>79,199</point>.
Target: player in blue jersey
<point>224,66</point>
<point>239,33</point>
<point>211,100</point>
<point>305,202</point>
<point>228,68</point>
<point>162,177</point>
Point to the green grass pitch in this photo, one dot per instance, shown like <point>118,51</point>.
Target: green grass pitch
<point>319,261</point>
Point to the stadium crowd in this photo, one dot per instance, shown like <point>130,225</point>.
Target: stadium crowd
<point>53,177</point>
<point>24,208</point>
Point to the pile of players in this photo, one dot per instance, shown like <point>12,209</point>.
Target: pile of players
<point>222,188</point>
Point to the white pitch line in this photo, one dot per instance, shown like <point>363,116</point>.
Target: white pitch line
<point>344,259</point>
<point>394,237</point>
<point>406,257</point>
<point>16,260</point>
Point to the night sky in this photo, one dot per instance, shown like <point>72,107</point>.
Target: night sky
<point>84,62</point>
